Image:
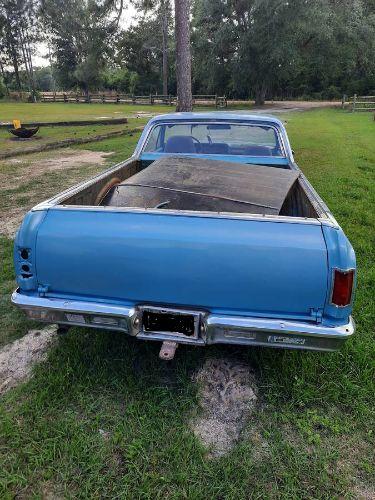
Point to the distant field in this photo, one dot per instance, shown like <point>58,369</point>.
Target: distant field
<point>103,418</point>
<point>60,111</point>
<point>50,134</point>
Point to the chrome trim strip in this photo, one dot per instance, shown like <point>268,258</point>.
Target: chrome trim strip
<point>213,328</point>
<point>71,306</point>
<point>280,326</point>
<point>191,213</point>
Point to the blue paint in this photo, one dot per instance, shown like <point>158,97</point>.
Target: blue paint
<point>217,264</point>
<point>251,268</point>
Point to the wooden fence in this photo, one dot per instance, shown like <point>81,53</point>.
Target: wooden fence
<point>117,98</point>
<point>359,103</point>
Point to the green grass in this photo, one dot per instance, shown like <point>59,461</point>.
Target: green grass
<point>61,111</point>
<point>51,134</point>
<point>312,436</point>
<point>122,147</point>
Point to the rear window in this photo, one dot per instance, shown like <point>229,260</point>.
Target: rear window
<point>214,138</point>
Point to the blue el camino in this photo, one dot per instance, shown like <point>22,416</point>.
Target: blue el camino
<point>209,233</point>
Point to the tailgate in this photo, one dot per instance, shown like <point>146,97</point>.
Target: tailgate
<point>224,265</point>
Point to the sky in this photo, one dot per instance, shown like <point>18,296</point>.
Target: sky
<point>40,58</point>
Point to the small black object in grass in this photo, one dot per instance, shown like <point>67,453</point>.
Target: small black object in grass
<point>24,133</point>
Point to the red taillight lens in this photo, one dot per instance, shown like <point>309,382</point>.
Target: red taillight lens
<point>342,287</point>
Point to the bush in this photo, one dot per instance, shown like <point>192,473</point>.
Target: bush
<point>332,92</point>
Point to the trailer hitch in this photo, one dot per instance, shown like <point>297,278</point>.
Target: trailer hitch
<point>168,350</point>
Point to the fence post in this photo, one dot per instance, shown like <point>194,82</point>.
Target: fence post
<point>65,98</point>
<point>354,102</point>
<point>54,97</point>
<point>343,101</point>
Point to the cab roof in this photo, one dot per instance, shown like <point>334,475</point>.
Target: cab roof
<point>217,115</point>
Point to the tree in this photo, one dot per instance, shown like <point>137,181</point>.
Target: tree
<point>253,48</point>
<point>214,46</point>
<point>80,35</point>
<point>43,79</point>
<point>183,55</point>
<point>160,11</point>
<point>137,50</point>
<point>18,33</point>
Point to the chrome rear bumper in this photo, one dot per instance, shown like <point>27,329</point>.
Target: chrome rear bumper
<point>214,329</point>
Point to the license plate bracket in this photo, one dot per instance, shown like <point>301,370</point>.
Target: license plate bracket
<point>171,322</point>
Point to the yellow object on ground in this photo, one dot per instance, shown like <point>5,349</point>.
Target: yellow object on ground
<point>16,123</point>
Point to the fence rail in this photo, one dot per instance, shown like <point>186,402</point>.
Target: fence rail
<point>116,98</point>
<point>359,103</point>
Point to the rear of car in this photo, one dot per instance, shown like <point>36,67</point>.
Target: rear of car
<point>195,277</point>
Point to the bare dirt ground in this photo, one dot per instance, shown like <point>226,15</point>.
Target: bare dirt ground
<point>19,172</point>
<point>18,358</point>
<point>228,394</point>
<point>287,106</point>
<point>62,159</point>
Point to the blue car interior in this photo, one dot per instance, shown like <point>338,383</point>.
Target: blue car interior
<point>188,144</point>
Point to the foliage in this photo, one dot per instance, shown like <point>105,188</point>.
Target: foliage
<point>120,79</point>
<point>44,80</point>
<point>19,29</point>
<point>241,48</point>
<point>80,34</point>
<point>139,50</point>
<point>284,48</point>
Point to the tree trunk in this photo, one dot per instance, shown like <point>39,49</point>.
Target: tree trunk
<point>260,95</point>
<point>183,55</point>
<point>2,72</point>
<point>164,20</point>
<point>12,51</point>
<point>28,64</point>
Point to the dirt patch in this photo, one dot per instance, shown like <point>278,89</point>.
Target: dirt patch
<point>11,221</point>
<point>26,169</point>
<point>68,158</point>
<point>363,492</point>
<point>228,394</point>
<point>18,358</point>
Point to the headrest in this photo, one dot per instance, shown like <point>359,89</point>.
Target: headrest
<point>180,144</point>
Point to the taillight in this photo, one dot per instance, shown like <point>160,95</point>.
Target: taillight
<point>342,287</point>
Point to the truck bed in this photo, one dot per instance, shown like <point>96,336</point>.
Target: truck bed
<point>199,185</point>
<point>208,185</point>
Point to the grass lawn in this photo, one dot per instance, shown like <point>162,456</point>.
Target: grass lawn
<point>60,111</point>
<point>99,420</point>
<point>47,135</point>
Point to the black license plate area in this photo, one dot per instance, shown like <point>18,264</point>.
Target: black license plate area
<point>169,322</point>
